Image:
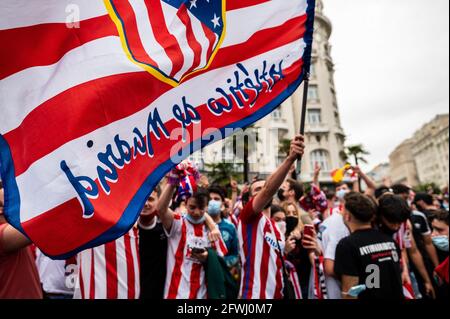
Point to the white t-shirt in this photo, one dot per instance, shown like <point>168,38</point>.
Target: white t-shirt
<point>53,274</point>
<point>331,231</point>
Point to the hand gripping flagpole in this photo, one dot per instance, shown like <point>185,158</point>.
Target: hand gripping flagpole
<point>303,118</point>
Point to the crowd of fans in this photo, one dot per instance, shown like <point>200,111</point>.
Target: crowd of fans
<point>268,239</point>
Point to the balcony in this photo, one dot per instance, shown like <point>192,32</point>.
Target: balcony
<point>317,128</point>
<point>279,124</point>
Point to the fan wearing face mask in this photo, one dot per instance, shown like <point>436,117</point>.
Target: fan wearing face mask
<point>440,234</point>
<point>227,229</point>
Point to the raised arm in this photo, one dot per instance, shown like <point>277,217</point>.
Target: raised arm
<point>165,213</point>
<point>317,169</point>
<point>371,187</point>
<point>277,178</point>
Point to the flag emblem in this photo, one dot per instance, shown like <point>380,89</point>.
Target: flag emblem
<point>170,39</point>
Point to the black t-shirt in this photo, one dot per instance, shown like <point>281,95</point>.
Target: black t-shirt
<point>371,255</point>
<point>153,255</point>
<point>421,228</point>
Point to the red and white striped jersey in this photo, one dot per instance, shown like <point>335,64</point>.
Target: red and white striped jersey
<point>110,271</point>
<point>261,273</point>
<point>403,236</point>
<point>186,276</point>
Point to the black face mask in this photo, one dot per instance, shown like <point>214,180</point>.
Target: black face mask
<point>280,195</point>
<point>291,224</point>
<point>386,230</point>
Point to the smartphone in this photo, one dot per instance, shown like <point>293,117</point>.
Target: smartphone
<point>198,250</point>
<point>309,230</point>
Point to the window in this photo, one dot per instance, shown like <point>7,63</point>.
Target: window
<point>313,93</point>
<point>336,118</point>
<point>314,116</point>
<point>276,114</point>
<point>312,70</point>
<point>322,157</point>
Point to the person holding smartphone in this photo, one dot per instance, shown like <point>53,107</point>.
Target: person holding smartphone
<point>188,241</point>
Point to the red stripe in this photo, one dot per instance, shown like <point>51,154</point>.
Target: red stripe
<point>296,284</point>
<point>26,141</point>
<point>279,263</point>
<point>46,44</point>
<point>163,36</point>
<point>196,268</point>
<point>279,281</point>
<point>78,231</point>
<point>179,257</point>
<point>211,36</point>
<point>126,13</point>
<point>92,111</point>
<point>252,251</point>
<point>284,34</point>
<point>111,270</point>
<point>92,285</point>
<point>264,271</point>
<point>130,267</point>
<point>192,40</point>
<point>239,4</point>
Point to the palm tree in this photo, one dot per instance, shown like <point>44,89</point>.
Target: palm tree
<point>284,147</point>
<point>356,152</point>
<point>240,142</point>
<point>221,173</point>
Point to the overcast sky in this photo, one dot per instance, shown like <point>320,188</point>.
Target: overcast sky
<point>392,68</point>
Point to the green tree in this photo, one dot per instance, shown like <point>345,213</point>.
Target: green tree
<point>243,147</point>
<point>427,188</point>
<point>221,173</point>
<point>356,152</point>
<point>284,147</point>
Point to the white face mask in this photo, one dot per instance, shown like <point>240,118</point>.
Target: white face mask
<point>282,227</point>
<point>341,193</point>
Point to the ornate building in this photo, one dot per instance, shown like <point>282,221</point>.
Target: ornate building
<point>424,157</point>
<point>324,135</point>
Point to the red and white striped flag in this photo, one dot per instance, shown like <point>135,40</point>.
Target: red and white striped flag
<point>100,99</point>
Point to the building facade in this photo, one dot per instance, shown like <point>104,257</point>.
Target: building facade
<point>430,151</point>
<point>381,174</point>
<point>402,165</point>
<point>324,135</point>
<point>424,157</point>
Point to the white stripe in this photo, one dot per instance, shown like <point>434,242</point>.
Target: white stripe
<point>153,48</point>
<point>272,272</point>
<point>24,91</point>
<point>44,186</point>
<point>172,246</point>
<point>122,274</point>
<point>100,272</point>
<point>243,23</point>
<point>179,31</point>
<point>85,260</point>
<point>22,99</point>
<point>134,255</point>
<point>23,13</point>
<point>199,34</point>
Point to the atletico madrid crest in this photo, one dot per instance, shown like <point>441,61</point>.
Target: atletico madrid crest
<point>170,39</point>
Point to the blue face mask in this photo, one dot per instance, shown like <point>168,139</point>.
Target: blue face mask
<point>214,207</point>
<point>356,291</point>
<point>195,221</point>
<point>441,242</point>
<point>341,193</point>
